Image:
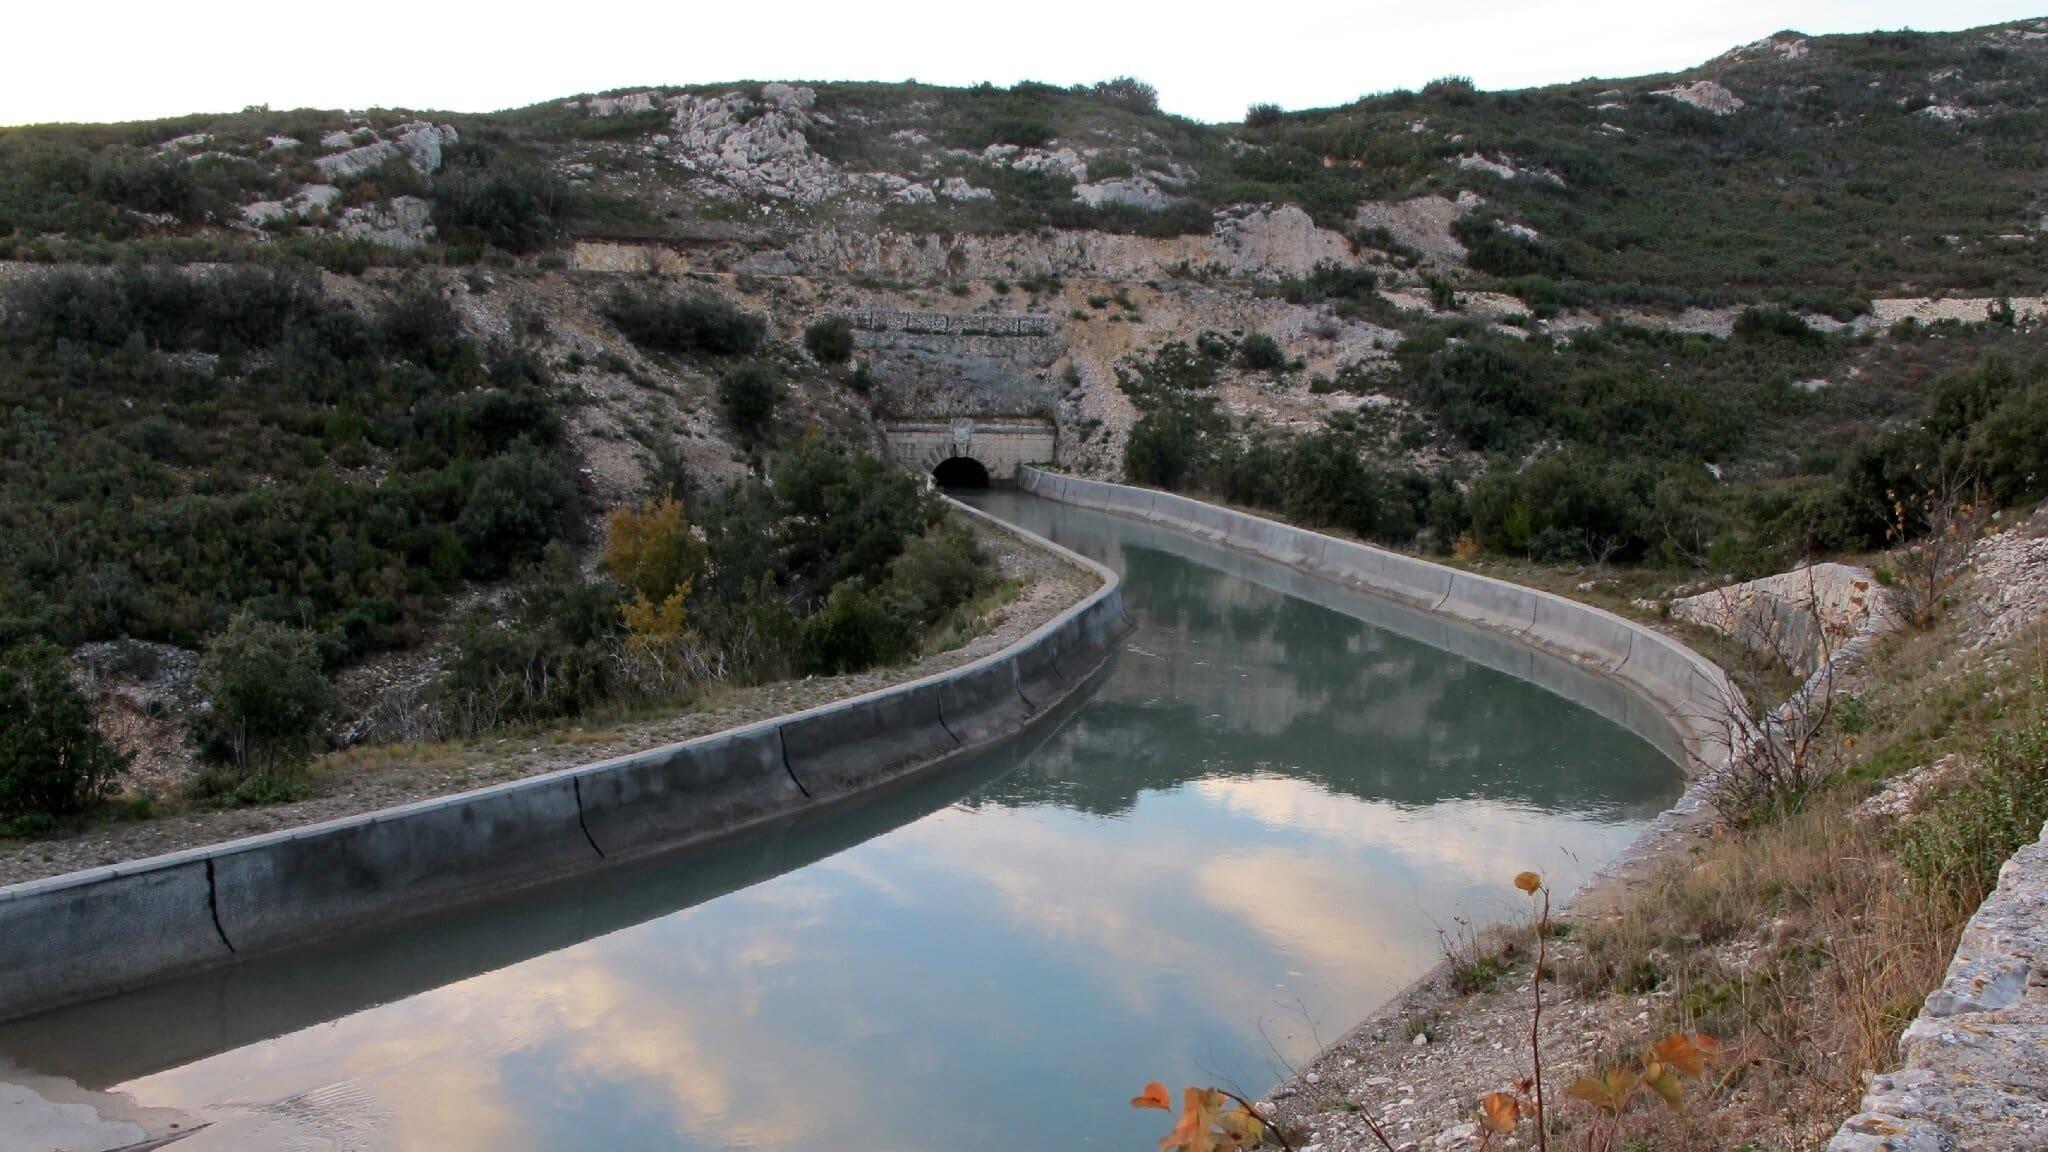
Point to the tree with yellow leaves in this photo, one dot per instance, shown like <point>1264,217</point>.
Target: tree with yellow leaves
<point>652,552</point>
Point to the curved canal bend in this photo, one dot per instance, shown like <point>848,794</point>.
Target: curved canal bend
<point>1244,839</point>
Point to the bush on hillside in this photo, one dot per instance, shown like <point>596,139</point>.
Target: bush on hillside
<point>266,696</point>
<point>1261,353</point>
<point>685,325</point>
<point>522,501</point>
<point>747,396</point>
<point>1263,116</point>
<point>1968,832</point>
<point>513,206</point>
<point>53,761</point>
<point>1130,92</point>
<point>830,341</point>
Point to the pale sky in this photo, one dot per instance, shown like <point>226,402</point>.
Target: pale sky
<point>123,60</point>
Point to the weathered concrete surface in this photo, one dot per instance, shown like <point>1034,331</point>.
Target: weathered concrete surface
<point>654,801</point>
<point>89,934</point>
<point>67,937</point>
<point>1976,1059</point>
<point>1001,446</point>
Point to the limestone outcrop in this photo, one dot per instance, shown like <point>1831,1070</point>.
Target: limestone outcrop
<point>418,144</point>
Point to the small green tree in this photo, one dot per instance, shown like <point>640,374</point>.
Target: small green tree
<point>830,341</point>
<point>747,397</point>
<point>267,696</point>
<point>1261,353</point>
<point>52,760</point>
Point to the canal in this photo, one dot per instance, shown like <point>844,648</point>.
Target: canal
<point>1248,834</point>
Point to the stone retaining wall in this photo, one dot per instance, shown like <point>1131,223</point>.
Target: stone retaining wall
<point>1976,1059</point>
<point>93,933</point>
<point>949,323</point>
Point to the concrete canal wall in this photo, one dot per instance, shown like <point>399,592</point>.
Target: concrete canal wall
<point>1688,691</point>
<point>93,933</point>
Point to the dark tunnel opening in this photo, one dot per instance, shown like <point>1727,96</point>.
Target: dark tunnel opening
<point>960,472</point>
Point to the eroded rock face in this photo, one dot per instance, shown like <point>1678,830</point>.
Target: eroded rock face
<point>620,105</point>
<point>1258,241</point>
<point>402,222</point>
<point>419,144</point>
<point>1706,95</point>
<point>311,200</point>
<point>753,146</point>
<point>1422,223</point>
<point>1136,192</point>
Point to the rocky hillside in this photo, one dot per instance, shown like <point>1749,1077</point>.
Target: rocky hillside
<point>1718,317</point>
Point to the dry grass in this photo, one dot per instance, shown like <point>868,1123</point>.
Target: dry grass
<point>1800,941</point>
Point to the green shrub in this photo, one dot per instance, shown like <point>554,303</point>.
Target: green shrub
<point>1130,92</point>
<point>855,629</point>
<point>747,396</point>
<point>1261,353</point>
<point>1775,324</point>
<point>266,696</point>
<point>1331,282</point>
<point>544,655</point>
<point>830,341</point>
<point>1263,116</point>
<point>1958,844</point>
<point>685,325</point>
<point>521,502</point>
<point>479,194</point>
<point>53,761</point>
<point>1173,440</point>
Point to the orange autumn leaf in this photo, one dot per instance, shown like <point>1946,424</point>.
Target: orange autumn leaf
<point>1193,1132</point>
<point>1241,1129</point>
<point>1529,882</point>
<point>1610,1091</point>
<point>1663,1080</point>
<point>1500,1112</point>
<point>1688,1053</point>
<point>1154,1096</point>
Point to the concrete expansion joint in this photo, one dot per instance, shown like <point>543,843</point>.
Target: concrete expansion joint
<point>783,744</point>
<point>213,908</point>
<point>576,784</point>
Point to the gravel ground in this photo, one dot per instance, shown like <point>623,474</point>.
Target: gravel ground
<point>2009,585</point>
<point>370,781</point>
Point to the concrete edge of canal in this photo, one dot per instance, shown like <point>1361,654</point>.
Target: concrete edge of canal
<point>101,931</point>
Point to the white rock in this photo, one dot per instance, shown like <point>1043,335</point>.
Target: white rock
<point>955,188</point>
<point>405,222</point>
<point>419,144</point>
<point>1707,95</point>
<point>620,105</point>
<point>1137,192</point>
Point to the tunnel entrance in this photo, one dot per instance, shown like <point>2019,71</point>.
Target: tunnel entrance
<point>960,472</point>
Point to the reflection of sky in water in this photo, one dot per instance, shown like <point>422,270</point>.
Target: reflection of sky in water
<point>1259,821</point>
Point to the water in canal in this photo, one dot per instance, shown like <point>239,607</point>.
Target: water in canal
<point>1238,844</point>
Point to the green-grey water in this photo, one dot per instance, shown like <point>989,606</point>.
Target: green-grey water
<point>1245,837</point>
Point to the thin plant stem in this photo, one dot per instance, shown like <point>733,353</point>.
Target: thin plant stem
<point>1536,1019</point>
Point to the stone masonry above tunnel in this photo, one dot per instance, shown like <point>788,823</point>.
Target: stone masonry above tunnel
<point>999,446</point>
<point>929,365</point>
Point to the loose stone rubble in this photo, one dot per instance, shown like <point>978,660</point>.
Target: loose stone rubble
<point>2010,588</point>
